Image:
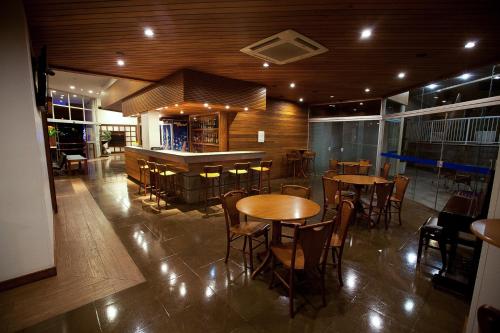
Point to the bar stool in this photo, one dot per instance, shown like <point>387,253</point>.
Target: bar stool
<point>264,169</point>
<point>293,161</point>
<point>240,169</point>
<point>211,174</point>
<point>143,168</point>
<point>152,179</point>
<point>165,184</point>
<point>308,158</point>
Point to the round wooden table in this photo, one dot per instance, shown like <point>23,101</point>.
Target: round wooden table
<point>276,208</point>
<point>488,230</point>
<point>359,181</point>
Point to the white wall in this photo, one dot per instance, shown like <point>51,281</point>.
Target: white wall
<point>150,131</point>
<point>26,219</point>
<point>113,117</point>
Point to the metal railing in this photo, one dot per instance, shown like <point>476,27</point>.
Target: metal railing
<point>473,130</point>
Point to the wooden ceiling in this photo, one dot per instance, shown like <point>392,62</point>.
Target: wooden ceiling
<point>421,37</point>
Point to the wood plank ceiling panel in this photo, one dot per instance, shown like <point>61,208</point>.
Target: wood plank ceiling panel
<point>423,38</point>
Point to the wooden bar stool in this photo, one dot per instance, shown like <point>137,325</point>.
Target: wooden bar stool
<point>143,177</point>
<point>240,169</point>
<point>210,175</point>
<point>293,161</point>
<point>165,184</point>
<point>308,158</point>
<point>264,169</point>
<point>152,179</point>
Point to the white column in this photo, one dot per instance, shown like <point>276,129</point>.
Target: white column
<point>26,219</point>
<point>380,140</point>
<point>150,129</point>
<point>487,288</point>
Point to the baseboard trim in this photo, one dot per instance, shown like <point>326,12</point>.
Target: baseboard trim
<point>28,278</point>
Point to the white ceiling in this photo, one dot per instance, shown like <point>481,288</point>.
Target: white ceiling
<point>62,80</point>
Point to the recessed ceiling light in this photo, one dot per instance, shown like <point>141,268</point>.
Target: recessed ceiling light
<point>72,87</point>
<point>366,33</point>
<point>465,76</point>
<point>401,75</point>
<point>361,103</point>
<point>227,107</point>
<point>432,86</point>
<point>367,90</point>
<point>210,108</point>
<point>443,101</point>
<point>120,62</point>
<point>81,89</point>
<point>74,95</point>
<point>149,32</point>
<point>332,105</point>
<point>176,105</point>
<point>205,105</point>
<point>265,65</point>
<point>436,97</point>
<point>292,85</point>
<point>166,107</point>
<point>301,99</point>
<point>91,91</point>
<point>159,109</point>
<point>470,44</point>
<point>354,109</point>
<point>246,108</point>
<point>182,111</point>
<point>331,96</point>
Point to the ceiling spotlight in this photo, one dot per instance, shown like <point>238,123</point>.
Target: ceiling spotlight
<point>210,108</point>
<point>292,85</point>
<point>182,111</point>
<point>91,91</point>
<point>443,101</point>
<point>361,103</point>
<point>81,89</point>
<point>227,107</point>
<point>301,99</point>
<point>72,87</point>
<point>265,65</point>
<point>366,33</point>
<point>74,95</point>
<point>166,107</point>
<point>465,76</point>
<point>436,97</point>
<point>432,86</point>
<point>159,109</point>
<point>354,109</point>
<point>149,32</point>
<point>470,44</point>
<point>331,96</point>
<point>246,108</point>
<point>205,105</point>
<point>176,105</point>
<point>401,75</point>
<point>120,62</point>
<point>367,90</point>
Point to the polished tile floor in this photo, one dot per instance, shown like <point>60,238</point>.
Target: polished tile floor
<point>189,288</point>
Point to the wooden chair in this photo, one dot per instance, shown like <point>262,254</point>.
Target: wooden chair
<point>165,183</point>
<point>342,221</point>
<point>396,200</point>
<point>59,166</point>
<point>308,159</point>
<point>364,167</point>
<point>240,169</point>
<point>330,173</point>
<point>296,191</point>
<point>143,169</point>
<point>384,172</point>
<point>332,196</point>
<point>334,165</point>
<point>211,175</point>
<point>308,253</point>
<point>351,169</point>
<point>236,229</point>
<point>292,161</point>
<point>264,169</point>
<point>379,202</point>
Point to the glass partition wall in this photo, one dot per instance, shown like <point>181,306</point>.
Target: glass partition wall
<point>443,136</point>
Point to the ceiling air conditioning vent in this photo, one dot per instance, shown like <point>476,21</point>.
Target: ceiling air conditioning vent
<point>285,47</point>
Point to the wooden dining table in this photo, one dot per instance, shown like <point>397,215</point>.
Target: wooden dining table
<point>276,208</point>
<point>359,181</point>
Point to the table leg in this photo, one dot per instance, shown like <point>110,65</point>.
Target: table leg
<point>276,239</point>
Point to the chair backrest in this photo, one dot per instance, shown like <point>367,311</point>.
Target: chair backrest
<point>400,186</point>
<point>331,173</point>
<point>364,167</point>
<point>151,166</point>
<point>242,166</point>
<point>384,173</point>
<point>296,191</point>
<point>161,167</point>
<point>383,193</point>
<point>313,239</point>
<point>343,219</point>
<point>212,169</point>
<point>266,164</point>
<point>334,164</point>
<point>231,214</point>
<point>332,194</point>
<point>351,169</point>
<point>141,162</point>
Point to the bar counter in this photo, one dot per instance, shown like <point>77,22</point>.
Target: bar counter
<point>188,166</point>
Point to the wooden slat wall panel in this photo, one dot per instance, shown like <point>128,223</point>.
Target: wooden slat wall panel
<point>285,125</point>
<point>119,90</point>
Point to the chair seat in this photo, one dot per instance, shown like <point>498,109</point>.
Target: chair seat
<point>167,173</point>
<point>249,228</point>
<point>259,169</point>
<point>210,175</point>
<point>283,252</point>
<point>238,172</point>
